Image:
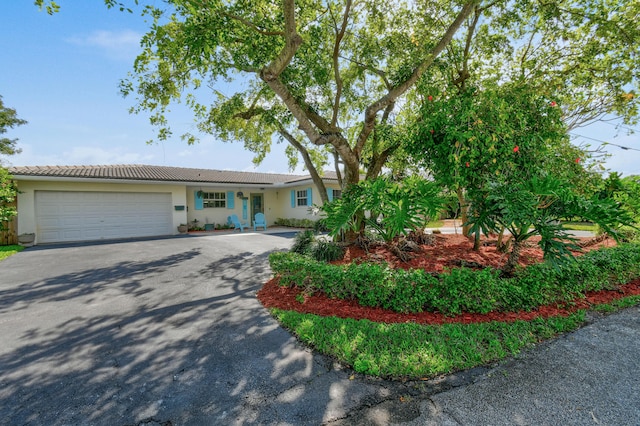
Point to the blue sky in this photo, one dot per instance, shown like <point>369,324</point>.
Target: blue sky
<point>61,74</point>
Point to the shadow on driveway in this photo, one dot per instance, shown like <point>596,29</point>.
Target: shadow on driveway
<point>165,331</point>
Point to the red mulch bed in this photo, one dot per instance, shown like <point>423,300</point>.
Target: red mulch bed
<point>447,252</point>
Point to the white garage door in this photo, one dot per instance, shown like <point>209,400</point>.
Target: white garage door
<point>84,216</point>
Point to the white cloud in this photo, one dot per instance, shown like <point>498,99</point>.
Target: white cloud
<point>124,44</point>
<point>79,155</point>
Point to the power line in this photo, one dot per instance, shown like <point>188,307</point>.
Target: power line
<point>626,148</point>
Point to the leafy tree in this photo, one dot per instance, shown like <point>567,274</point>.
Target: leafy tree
<point>8,119</point>
<point>8,188</point>
<point>311,69</point>
<point>581,53</point>
<point>470,138</point>
<point>334,78</point>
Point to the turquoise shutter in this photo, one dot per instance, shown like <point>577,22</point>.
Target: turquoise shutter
<point>330,194</point>
<point>293,199</point>
<point>230,199</point>
<point>309,197</point>
<point>198,200</point>
<point>244,208</point>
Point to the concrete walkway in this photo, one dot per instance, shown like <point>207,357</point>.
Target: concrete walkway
<point>169,332</point>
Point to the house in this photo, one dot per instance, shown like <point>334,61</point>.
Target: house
<point>85,203</point>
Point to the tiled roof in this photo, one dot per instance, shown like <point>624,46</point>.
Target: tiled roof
<point>159,173</point>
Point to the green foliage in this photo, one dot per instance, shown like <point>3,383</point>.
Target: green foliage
<point>626,191</point>
<point>390,208</point>
<point>461,290</point>
<point>8,120</point>
<point>302,242</point>
<point>10,250</point>
<point>535,207</point>
<point>298,223</point>
<point>8,194</point>
<point>319,248</point>
<point>416,351</point>
<point>470,137</point>
<point>323,250</point>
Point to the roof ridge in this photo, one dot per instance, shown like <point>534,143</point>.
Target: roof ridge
<point>142,172</point>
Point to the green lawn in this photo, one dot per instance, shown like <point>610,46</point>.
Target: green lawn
<point>416,351</point>
<point>435,224</point>
<point>580,226</point>
<point>6,251</point>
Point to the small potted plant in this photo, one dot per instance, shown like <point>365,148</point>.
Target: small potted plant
<point>183,228</point>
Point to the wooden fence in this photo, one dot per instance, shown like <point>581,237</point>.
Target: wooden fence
<point>10,236</point>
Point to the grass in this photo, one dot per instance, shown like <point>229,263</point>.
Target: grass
<point>580,226</point>
<point>435,224</point>
<point>416,351</point>
<point>6,251</point>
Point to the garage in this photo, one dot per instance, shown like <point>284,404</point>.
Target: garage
<point>65,216</point>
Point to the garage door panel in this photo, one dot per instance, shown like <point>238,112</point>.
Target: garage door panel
<point>82,216</point>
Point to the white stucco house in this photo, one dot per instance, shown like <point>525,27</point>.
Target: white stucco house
<point>85,203</point>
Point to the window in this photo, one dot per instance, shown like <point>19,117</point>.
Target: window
<point>337,193</point>
<point>214,199</point>
<point>301,198</point>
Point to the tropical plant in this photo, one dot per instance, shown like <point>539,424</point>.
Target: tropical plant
<point>389,208</point>
<point>534,207</point>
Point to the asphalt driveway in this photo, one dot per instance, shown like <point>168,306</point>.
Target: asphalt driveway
<point>168,332</point>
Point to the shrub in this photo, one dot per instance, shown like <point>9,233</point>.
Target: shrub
<point>297,223</point>
<point>302,242</point>
<point>461,290</point>
<point>324,250</point>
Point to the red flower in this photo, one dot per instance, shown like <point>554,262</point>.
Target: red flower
<point>553,103</point>
<point>577,160</point>
<point>466,164</point>
<point>431,131</point>
<point>430,98</point>
<point>516,148</point>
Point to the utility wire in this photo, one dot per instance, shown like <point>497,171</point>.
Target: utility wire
<point>626,148</point>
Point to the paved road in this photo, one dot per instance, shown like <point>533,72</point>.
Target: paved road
<point>168,332</point>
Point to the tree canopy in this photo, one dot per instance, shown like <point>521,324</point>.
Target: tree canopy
<point>335,79</point>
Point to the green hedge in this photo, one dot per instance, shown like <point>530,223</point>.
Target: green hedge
<point>296,223</point>
<point>461,289</point>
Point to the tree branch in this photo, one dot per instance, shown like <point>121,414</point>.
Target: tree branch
<point>292,43</point>
<point>336,65</point>
<point>373,109</point>
<point>315,176</point>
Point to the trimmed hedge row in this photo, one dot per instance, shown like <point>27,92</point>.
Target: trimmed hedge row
<point>461,289</point>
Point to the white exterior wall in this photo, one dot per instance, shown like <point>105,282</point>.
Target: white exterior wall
<point>26,199</point>
<point>301,212</point>
<point>272,200</point>
<point>277,200</point>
